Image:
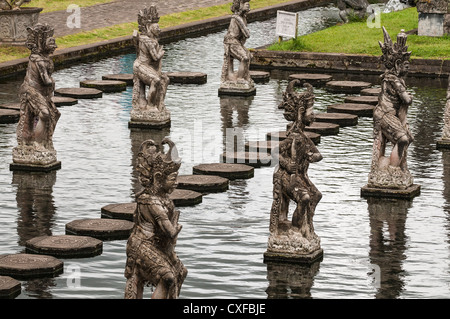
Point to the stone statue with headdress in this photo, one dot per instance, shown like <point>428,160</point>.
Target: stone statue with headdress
<point>151,256</point>
<point>295,239</point>
<point>38,113</point>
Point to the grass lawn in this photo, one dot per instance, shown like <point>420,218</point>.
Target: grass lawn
<point>116,31</point>
<point>358,38</point>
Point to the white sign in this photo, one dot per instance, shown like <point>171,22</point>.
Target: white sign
<point>287,23</point>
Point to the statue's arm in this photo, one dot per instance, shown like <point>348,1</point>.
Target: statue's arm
<point>43,72</point>
<point>401,90</point>
<point>314,154</point>
<point>155,51</point>
<point>160,215</point>
<point>241,25</point>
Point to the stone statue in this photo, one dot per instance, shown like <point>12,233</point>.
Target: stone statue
<point>38,113</point>
<point>390,118</point>
<point>347,7</point>
<point>149,110</point>
<point>238,82</point>
<point>444,142</point>
<point>295,239</point>
<point>12,4</point>
<point>151,257</point>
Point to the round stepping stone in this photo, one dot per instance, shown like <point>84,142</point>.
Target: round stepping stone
<point>352,108</point>
<point>186,197</point>
<point>315,79</point>
<point>11,106</point>
<point>79,93</point>
<point>64,101</point>
<point>100,228</point>
<point>24,266</point>
<point>9,287</point>
<point>261,146</point>
<point>371,91</point>
<point>9,116</point>
<point>363,99</point>
<point>254,159</point>
<point>187,77</point>
<point>203,183</point>
<point>260,76</point>
<point>123,211</point>
<point>107,86</point>
<point>274,136</point>
<point>65,246</point>
<point>342,119</point>
<point>323,128</point>
<point>347,86</point>
<point>124,77</point>
<point>229,171</point>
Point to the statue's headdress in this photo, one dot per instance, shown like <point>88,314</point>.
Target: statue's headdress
<point>296,100</point>
<point>236,5</point>
<point>148,15</point>
<point>151,159</point>
<point>394,52</point>
<point>37,37</point>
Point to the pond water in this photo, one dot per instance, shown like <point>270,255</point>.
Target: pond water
<point>372,249</point>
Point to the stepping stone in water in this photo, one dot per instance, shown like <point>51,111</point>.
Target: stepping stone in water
<point>352,108</point>
<point>255,159</point>
<point>100,228</point>
<point>347,86</point>
<point>342,119</point>
<point>371,91</point>
<point>9,287</point>
<point>279,136</point>
<point>203,183</point>
<point>323,128</point>
<point>79,93</point>
<point>11,106</point>
<point>363,99</point>
<point>107,86</point>
<point>315,79</point>
<point>260,76</point>
<point>186,197</point>
<point>65,246</point>
<point>187,77</point>
<point>261,146</point>
<point>25,266</point>
<point>124,77</point>
<point>226,170</point>
<point>9,116</point>
<point>64,101</point>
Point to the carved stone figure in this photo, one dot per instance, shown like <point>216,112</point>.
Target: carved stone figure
<point>347,7</point>
<point>444,142</point>
<point>149,109</point>
<point>38,113</point>
<point>390,119</point>
<point>151,257</point>
<point>296,239</point>
<point>237,82</point>
<point>12,4</point>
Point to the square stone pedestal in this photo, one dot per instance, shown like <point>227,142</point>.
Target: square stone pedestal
<point>443,144</point>
<point>408,193</point>
<point>149,125</point>
<point>307,259</point>
<point>35,168</point>
<point>237,91</point>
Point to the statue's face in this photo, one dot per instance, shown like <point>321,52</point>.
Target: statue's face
<point>289,112</point>
<point>403,68</point>
<point>308,117</point>
<point>51,45</point>
<point>154,29</point>
<point>245,6</point>
<point>169,183</point>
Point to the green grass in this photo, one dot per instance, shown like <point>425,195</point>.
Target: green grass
<point>358,38</point>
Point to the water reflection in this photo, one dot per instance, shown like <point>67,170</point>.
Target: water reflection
<point>387,218</point>
<point>292,281</point>
<point>234,113</point>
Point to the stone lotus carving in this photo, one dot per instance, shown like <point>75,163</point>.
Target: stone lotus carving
<point>149,109</point>
<point>291,181</point>
<point>390,118</point>
<point>234,49</point>
<point>151,257</point>
<point>38,113</point>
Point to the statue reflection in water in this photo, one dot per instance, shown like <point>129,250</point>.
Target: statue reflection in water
<point>387,219</point>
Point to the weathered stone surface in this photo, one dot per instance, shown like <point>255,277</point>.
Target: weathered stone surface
<point>100,228</point>
<point>255,159</point>
<point>187,77</point>
<point>323,128</point>
<point>226,170</point>
<point>306,259</point>
<point>371,91</point>
<point>9,287</point>
<point>363,99</point>
<point>106,86</point>
<point>347,86</point>
<point>186,197</point>
<point>203,183</point>
<point>124,77</point>
<point>10,106</point>
<point>352,108</point>
<point>119,211</point>
<point>65,246</point>
<point>408,193</point>
<point>9,116</point>
<point>64,101</point>
<point>35,168</point>
<point>231,91</point>
<point>79,93</point>
<point>281,135</point>
<point>25,266</point>
<point>260,76</point>
<point>15,23</point>
<point>342,119</point>
<point>315,79</point>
